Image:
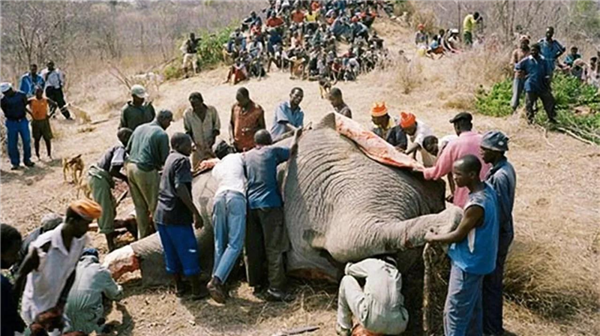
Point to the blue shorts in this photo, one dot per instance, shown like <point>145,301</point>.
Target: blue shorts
<point>180,249</point>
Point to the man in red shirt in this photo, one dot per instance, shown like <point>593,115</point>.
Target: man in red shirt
<point>274,21</point>
<point>247,118</point>
<point>298,15</point>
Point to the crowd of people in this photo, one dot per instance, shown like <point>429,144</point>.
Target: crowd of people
<point>314,40</point>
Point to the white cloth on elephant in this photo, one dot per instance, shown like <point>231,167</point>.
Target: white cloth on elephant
<point>229,173</point>
<point>379,306</point>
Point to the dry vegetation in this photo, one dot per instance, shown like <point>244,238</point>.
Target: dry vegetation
<point>553,269</point>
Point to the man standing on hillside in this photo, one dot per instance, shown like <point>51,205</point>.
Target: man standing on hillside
<point>246,119</point>
<point>288,116</point>
<point>14,105</point>
<point>551,49</point>
<point>31,81</point>
<point>538,76</point>
<point>55,81</point>
<point>138,110</point>
<point>469,26</point>
<point>148,149</point>
<point>503,179</point>
<point>190,54</point>
<point>468,142</point>
<point>519,81</point>
<point>201,122</point>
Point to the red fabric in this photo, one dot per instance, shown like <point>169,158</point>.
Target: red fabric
<point>274,22</point>
<point>373,146</point>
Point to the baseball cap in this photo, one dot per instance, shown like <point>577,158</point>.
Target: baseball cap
<point>495,140</point>
<point>461,116</point>
<point>5,87</point>
<point>139,91</point>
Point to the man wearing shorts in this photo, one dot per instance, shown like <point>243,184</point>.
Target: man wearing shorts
<point>175,212</point>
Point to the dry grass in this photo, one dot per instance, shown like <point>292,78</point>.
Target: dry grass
<point>460,102</point>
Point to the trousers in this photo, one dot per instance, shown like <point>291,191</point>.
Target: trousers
<point>547,100</point>
<point>143,186</point>
<point>101,184</point>
<point>266,239</point>
<point>462,311</point>
<point>14,129</point>
<point>229,221</point>
<point>58,96</point>
<point>492,290</point>
<point>517,91</point>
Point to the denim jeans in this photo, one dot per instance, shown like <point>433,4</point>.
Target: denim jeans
<point>462,312</point>
<point>517,92</point>
<point>14,128</point>
<point>492,290</point>
<point>229,221</point>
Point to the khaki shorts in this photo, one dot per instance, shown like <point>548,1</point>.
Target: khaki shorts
<point>190,59</point>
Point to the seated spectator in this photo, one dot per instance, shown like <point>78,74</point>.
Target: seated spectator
<point>572,57</point>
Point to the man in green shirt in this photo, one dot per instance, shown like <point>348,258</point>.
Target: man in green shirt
<point>468,27</point>
<point>137,111</point>
<point>148,149</point>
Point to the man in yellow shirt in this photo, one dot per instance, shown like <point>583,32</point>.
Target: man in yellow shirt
<point>468,27</point>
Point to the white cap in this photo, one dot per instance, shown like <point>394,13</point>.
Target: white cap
<point>139,91</point>
<point>5,87</point>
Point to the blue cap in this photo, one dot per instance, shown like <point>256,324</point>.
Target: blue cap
<point>495,140</point>
<point>90,252</point>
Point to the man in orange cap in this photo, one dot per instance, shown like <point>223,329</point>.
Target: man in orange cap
<point>49,268</point>
<point>382,122</point>
<point>417,132</point>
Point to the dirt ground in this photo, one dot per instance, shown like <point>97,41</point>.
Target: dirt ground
<point>557,203</point>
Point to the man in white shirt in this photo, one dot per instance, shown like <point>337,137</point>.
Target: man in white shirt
<point>49,268</point>
<point>229,216</point>
<point>55,81</point>
<point>417,132</point>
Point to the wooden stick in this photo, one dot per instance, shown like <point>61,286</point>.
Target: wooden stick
<point>575,136</point>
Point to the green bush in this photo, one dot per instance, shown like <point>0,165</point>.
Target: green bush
<point>209,53</point>
<point>569,94</point>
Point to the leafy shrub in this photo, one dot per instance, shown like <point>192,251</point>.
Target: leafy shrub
<point>569,94</point>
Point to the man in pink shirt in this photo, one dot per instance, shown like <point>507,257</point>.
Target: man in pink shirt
<point>468,142</point>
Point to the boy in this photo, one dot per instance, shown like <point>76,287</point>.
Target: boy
<point>175,212</point>
<point>472,251</point>
<point>100,180</point>
<point>40,122</point>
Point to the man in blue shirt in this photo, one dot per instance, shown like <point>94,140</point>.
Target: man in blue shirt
<point>14,104</point>
<point>31,81</point>
<point>288,116</point>
<point>472,251</point>
<point>503,179</point>
<point>266,237</point>
<point>551,49</point>
<point>537,83</point>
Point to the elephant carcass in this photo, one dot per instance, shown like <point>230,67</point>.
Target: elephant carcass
<point>340,206</point>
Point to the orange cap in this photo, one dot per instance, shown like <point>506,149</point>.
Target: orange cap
<point>378,109</point>
<point>407,119</point>
<point>86,208</point>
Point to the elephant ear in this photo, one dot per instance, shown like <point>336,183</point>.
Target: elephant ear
<point>328,121</point>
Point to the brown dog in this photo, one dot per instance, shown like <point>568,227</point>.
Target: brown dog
<point>74,166</point>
